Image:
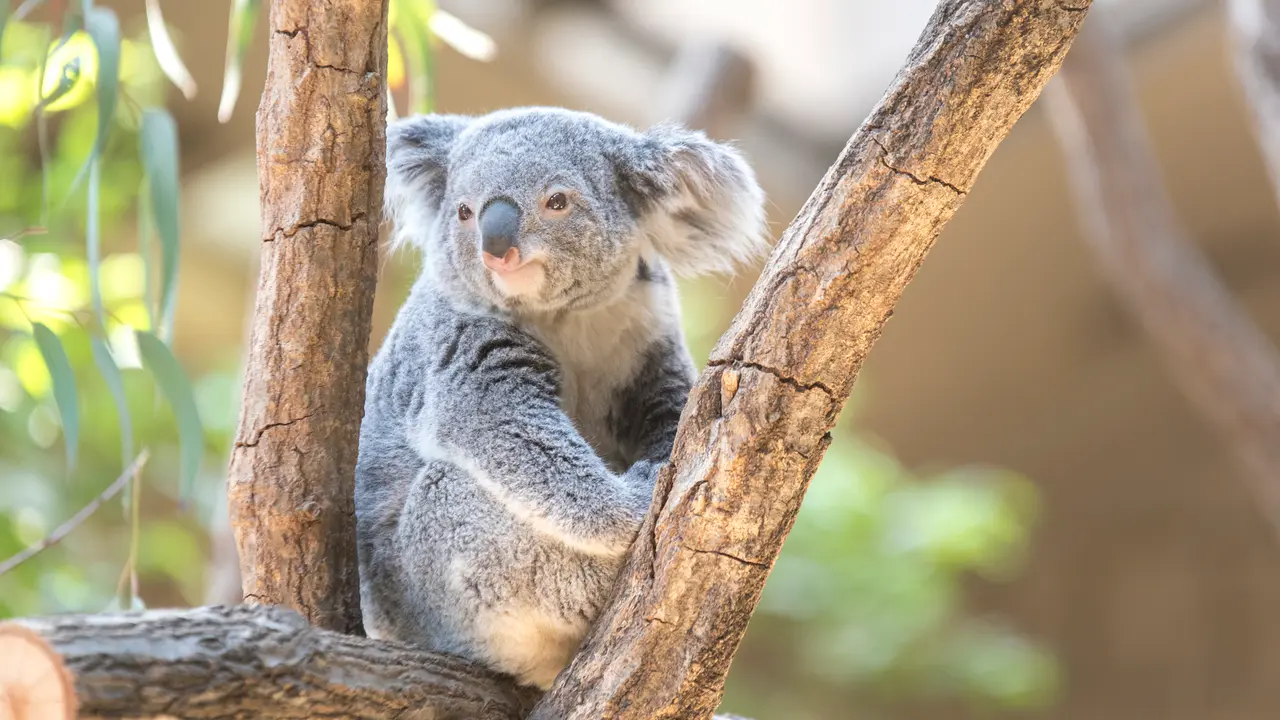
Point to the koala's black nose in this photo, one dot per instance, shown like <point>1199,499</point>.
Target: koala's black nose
<point>499,226</point>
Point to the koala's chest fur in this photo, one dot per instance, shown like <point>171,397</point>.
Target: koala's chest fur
<point>600,351</point>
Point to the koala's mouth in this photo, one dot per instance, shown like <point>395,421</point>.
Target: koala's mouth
<point>515,275</point>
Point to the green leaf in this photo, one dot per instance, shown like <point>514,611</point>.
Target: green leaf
<point>104,28</point>
<point>64,387</point>
<point>146,229</point>
<point>160,162</point>
<point>177,389</point>
<point>167,53</point>
<point>413,19</point>
<point>115,383</point>
<point>93,243</point>
<point>244,16</point>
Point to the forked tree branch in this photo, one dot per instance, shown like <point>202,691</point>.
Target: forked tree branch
<point>751,437</point>
<point>1219,357</point>
<point>756,425</point>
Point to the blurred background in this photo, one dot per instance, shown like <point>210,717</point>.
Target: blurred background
<point>1020,516</point>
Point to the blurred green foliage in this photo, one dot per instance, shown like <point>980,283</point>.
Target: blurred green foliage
<point>47,278</point>
<point>863,609</point>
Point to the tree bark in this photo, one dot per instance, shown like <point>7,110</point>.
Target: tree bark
<point>757,422</point>
<point>321,150</point>
<point>262,662</point>
<point>1255,28</point>
<point>752,435</point>
<point>1222,361</point>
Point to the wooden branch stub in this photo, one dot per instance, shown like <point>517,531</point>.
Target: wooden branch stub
<point>34,684</point>
<point>321,149</point>
<point>259,662</point>
<point>756,424</point>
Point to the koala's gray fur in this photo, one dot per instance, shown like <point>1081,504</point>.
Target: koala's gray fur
<point>513,428</point>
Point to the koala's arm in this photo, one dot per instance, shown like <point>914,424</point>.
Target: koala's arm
<point>647,411</point>
<point>498,417</point>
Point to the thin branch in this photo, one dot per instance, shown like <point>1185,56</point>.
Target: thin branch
<point>1222,361</point>
<point>65,528</point>
<point>1255,28</point>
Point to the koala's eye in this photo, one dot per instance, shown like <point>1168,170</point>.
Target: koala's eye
<point>464,212</point>
<point>557,201</point>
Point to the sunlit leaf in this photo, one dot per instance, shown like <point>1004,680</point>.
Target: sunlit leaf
<point>69,72</point>
<point>244,16</point>
<point>160,161</point>
<point>413,18</point>
<point>395,63</point>
<point>106,364</point>
<point>176,387</point>
<point>460,36</point>
<point>167,53</point>
<point>64,387</point>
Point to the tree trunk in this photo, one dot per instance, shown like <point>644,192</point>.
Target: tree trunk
<point>752,435</point>
<point>1223,362</point>
<point>321,150</point>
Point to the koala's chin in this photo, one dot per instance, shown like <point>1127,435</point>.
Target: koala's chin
<point>524,282</point>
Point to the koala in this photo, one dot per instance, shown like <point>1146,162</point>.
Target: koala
<point>529,389</point>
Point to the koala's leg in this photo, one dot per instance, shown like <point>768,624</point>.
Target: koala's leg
<point>497,416</point>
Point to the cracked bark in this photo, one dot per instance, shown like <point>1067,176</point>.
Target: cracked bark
<point>321,144</point>
<point>751,437</point>
<point>1222,361</point>
<point>1255,26</point>
<point>757,421</point>
<point>243,662</point>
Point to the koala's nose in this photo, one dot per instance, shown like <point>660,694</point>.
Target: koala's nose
<point>499,226</point>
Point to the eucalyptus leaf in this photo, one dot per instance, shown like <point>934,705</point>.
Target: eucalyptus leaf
<point>167,53</point>
<point>244,17</point>
<point>104,28</point>
<point>159,138</point>
<point>64,387</point>
<point>93,242</point>
<point>106,365</point>
<point>173,382</point>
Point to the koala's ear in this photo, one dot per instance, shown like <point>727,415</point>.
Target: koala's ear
<point>696,200</point>
<point>417,172</point>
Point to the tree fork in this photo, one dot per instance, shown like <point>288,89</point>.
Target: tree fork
<point>751,437</point>
<point>321,151</point>
<point>756,424</point>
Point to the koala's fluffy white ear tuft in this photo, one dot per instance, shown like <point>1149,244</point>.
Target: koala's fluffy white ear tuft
<point>696,200</point>
<point>417,172</point>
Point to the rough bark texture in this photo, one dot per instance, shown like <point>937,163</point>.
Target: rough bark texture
<point>321,149</point>
<point>1218,356</point>
<point>1256,29</point>
<point>262,662</point>
<point>757,422</point>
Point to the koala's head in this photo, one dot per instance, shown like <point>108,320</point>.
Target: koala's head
<point>542,209</point>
